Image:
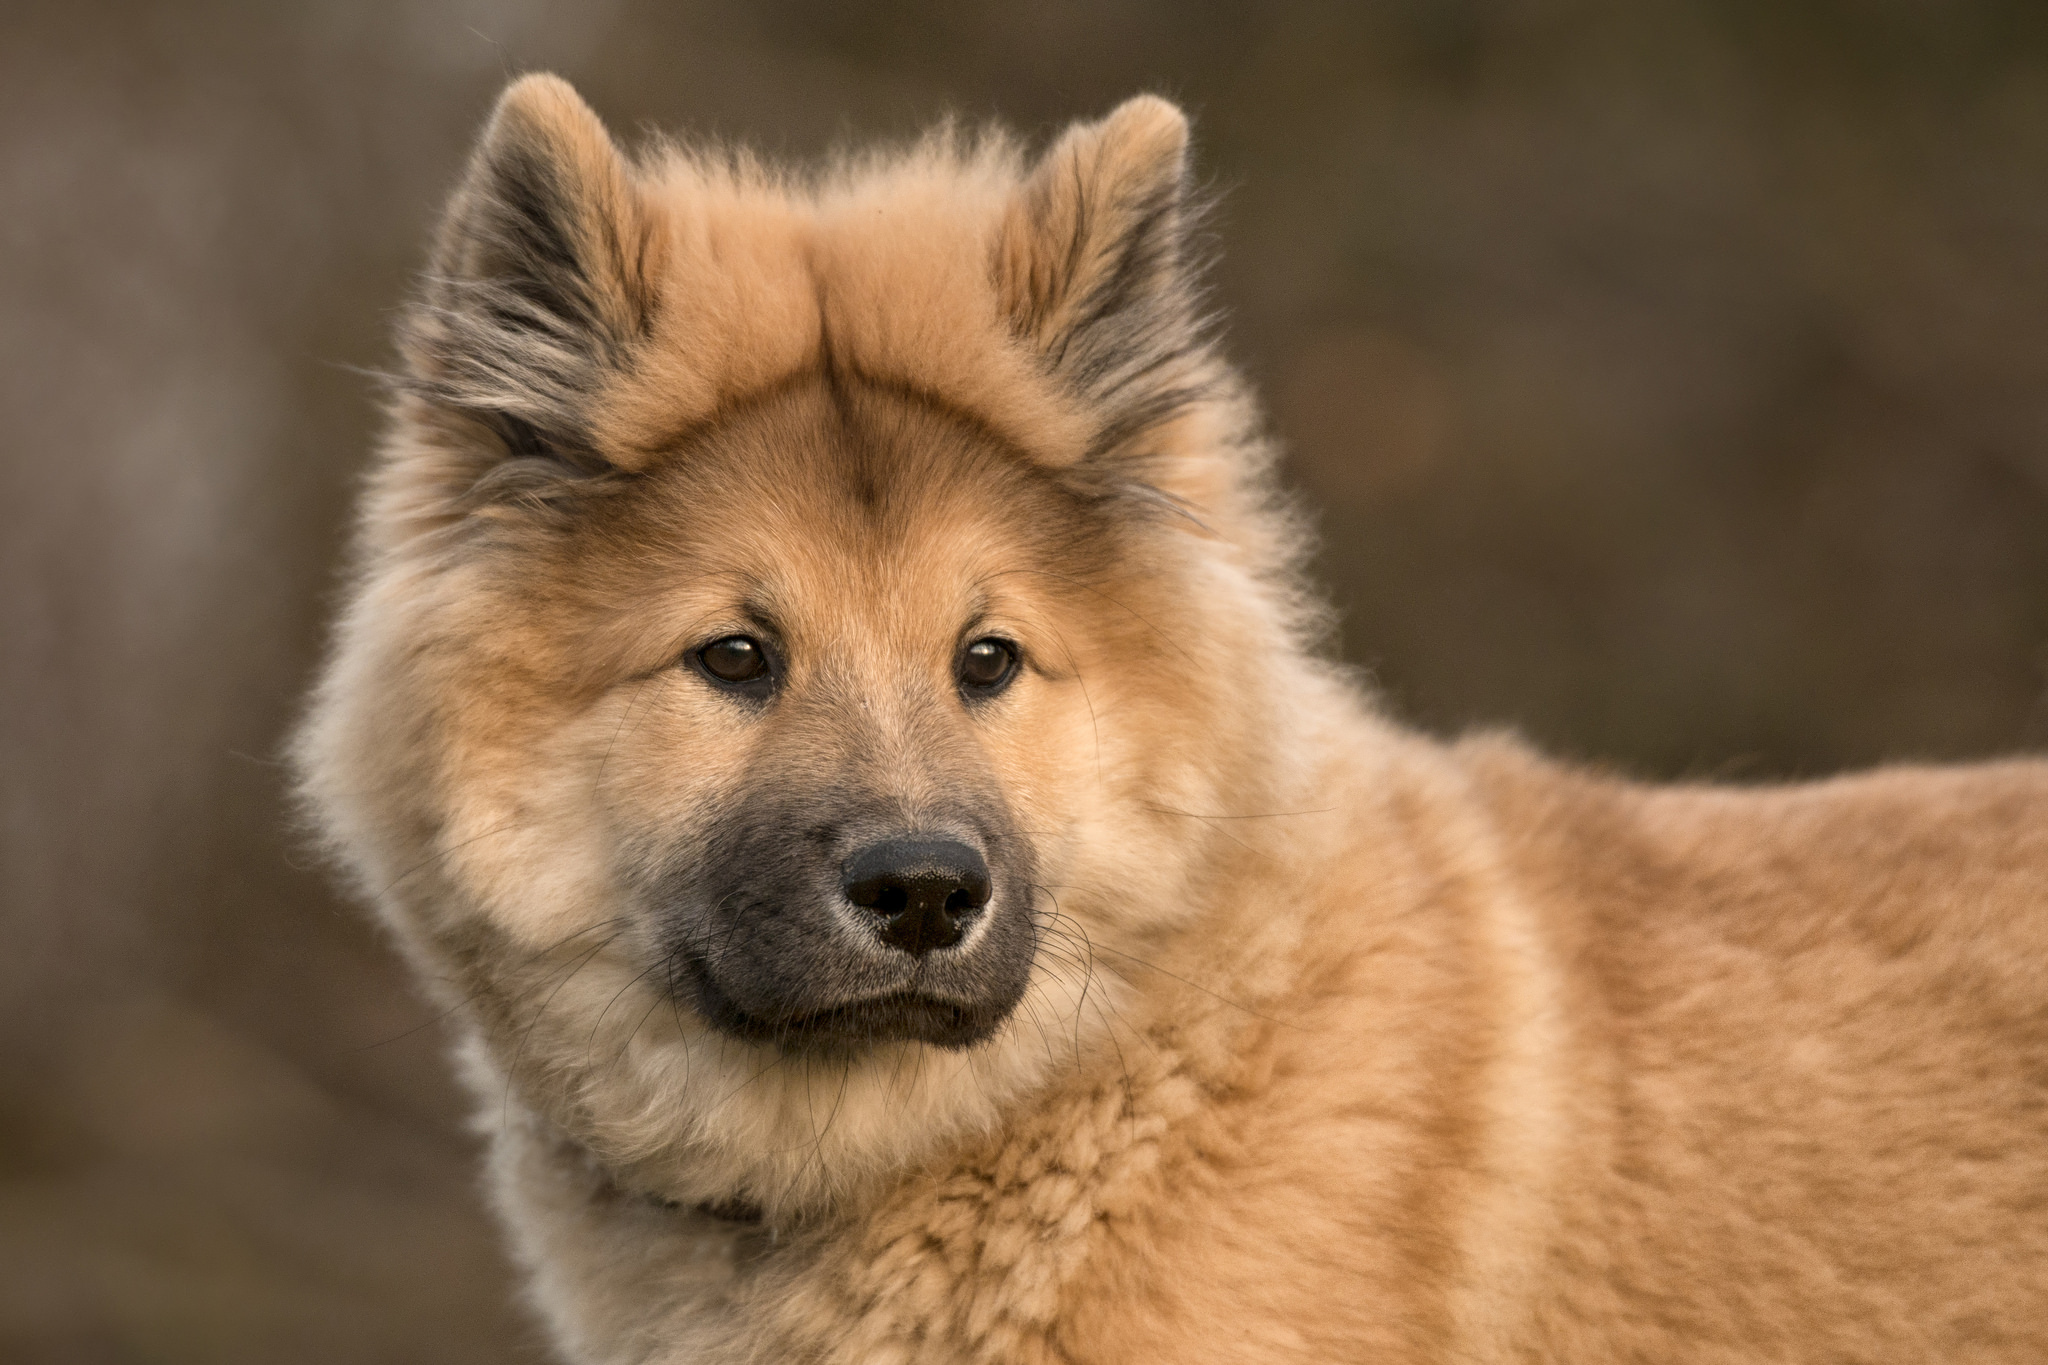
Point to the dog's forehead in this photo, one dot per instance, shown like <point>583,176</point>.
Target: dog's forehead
<point>826,507</point>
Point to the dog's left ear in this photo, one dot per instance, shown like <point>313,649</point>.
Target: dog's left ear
<point>1092,267</point>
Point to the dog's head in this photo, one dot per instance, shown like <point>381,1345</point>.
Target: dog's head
<point>799,621</point>
<point>829,771</point>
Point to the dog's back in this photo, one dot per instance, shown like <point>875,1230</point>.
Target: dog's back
<point>1813,1120</point>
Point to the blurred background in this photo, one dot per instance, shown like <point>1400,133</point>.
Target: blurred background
<point>1672,378</point>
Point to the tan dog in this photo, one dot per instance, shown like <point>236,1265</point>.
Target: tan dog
<point>828,695</point>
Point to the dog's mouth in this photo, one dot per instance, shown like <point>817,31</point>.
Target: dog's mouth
<point>851,1025</point>
<point>899,1015</point>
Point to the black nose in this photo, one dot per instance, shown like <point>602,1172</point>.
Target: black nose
<point>924,891</point>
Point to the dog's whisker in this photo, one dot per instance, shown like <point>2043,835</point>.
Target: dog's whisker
<point>478,993</point>
<point>512,1067</point>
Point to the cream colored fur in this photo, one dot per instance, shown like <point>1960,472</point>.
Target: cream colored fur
<point>1341,1043</point>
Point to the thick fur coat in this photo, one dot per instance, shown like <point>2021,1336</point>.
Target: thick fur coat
<point>1270,1031</point>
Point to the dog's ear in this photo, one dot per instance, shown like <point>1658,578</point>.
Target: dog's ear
<point>540,283</point>
<point>1093,267</point>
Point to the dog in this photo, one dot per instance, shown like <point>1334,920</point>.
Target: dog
<point>829,699</point>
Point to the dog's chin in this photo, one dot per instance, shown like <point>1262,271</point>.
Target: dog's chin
<point>852,1026</point>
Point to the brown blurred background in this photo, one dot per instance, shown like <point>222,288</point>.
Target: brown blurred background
<point>1673,379</point>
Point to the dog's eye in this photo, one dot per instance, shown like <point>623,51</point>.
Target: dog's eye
<point>986,665</point>
<point>735,659</point>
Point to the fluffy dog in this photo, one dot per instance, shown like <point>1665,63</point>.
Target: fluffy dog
<point>828,697</point>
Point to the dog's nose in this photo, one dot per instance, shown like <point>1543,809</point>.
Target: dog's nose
<point>923,891</point>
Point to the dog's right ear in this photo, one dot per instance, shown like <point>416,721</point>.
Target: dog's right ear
<point>540,284</point>
<point>1093,270</point>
